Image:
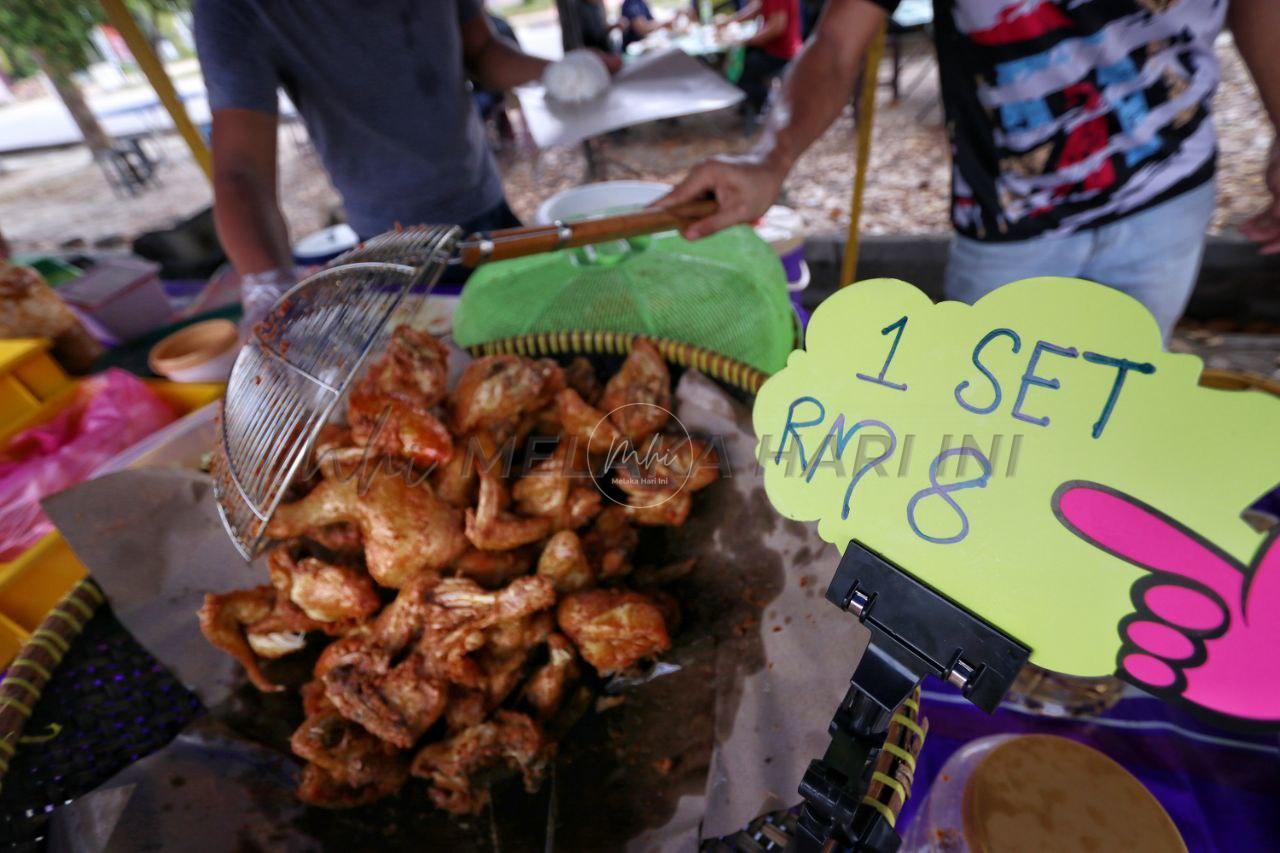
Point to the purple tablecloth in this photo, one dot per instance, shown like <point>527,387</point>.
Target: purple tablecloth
<point>1221,788</point>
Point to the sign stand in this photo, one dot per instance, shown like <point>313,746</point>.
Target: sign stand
<point>915,632</point>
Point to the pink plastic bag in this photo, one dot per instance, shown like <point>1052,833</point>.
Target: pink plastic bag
<point>112,411</point>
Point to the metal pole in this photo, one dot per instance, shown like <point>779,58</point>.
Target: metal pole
<point>151,66</point>
<point>866,121</point>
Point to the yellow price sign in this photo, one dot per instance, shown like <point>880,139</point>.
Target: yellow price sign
<point>1040,459</point>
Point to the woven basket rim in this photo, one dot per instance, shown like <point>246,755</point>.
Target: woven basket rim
<point>726,370</point>
<point>38,660</point>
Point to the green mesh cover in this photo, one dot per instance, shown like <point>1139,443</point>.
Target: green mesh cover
<point>727,293</point>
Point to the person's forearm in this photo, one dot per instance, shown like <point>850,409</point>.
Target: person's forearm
<point>501,65</point>
<point>646,26</point>
<point>773,27</point>
<point>251,227</point>
<point>820,81</point>
<point>746,13</point>
<point>1255,24</point>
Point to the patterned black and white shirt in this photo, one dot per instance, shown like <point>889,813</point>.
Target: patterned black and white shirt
<point>1069,114</point>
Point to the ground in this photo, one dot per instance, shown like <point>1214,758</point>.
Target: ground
<point>59,198</point>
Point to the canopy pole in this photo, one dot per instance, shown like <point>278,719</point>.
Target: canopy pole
<point>866,121</point>
<point>151,66</point>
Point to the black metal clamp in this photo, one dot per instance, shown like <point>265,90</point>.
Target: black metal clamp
<point>915,631</point>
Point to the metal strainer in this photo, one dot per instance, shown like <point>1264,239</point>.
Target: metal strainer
<point>289,378</point>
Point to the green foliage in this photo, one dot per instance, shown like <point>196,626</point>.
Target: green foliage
<point>59,29</point>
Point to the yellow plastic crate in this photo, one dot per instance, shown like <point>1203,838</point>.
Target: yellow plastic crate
<point>38,578</point>
<point>12,638</point>
<point>30,380</point>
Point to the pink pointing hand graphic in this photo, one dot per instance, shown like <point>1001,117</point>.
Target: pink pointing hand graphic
<point>1206,628</point>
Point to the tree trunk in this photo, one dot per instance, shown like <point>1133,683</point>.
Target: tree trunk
<point>94,136</point>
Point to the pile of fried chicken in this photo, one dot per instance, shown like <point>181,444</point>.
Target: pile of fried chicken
<point>459,578</point>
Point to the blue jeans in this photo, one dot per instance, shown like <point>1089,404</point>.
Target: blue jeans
<point>1154,256</point>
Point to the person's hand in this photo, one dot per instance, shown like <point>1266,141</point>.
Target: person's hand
<point>1264,228</point>
<point>743,186</point>
<point>259,292</point>
<point>611,60</point>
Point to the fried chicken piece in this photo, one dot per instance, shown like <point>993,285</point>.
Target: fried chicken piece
<point>493,569</point>
<point>446,621</point>
<point>396,703</point>
<point>455,481</point>
<point>325,592</point>
<point>501,661</point>
<point>546,689</point>
<point>462,614</point>
<point>667,509</point>
<point>521,634</point>
<point>638,397</point>
<point>403,620</point>
<point>335,450</point>
<point>405,527</point>
<point>613,628</point>
<point>490,528</point>
<point>689,462</point>
<point>314,700</point>
<point>581,377</point>
<point>565,564</point>
<point>256,623</point>
<point>393,427</point>
<point>508,646</point>
<point>348,753</point>
<point>318,788</point>
<point>549,490</point>
<point>224,620</point>
<point>414,368</point>
<point>545,488</point>
<point>496,390</point>
<point>610,542</point>
<point>342,538</point>
<point>467,708</point>
<point>510,738</point>
<point>586,425</point>
<point>582,505</point>
<point>389,408</point>
<point>659,482</point>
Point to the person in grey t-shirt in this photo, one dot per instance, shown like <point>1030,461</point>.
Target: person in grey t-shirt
<point>382,87</point>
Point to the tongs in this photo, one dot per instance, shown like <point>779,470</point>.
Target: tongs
<point>301,359</point>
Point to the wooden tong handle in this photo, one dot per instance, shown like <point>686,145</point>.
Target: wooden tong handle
<point>519,242</point>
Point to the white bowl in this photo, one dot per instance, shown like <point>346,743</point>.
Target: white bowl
<point>599,199</point>
<point>201,352</point>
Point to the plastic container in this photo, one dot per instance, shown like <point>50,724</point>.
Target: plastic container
<point>54,270</point>
<point>603,198</point>
<point>123,295</point>
<point>783,229</point>
<point>324,245</point>
<point>30,381</point>
<point>201,352</point>
<point>1037,792</point>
